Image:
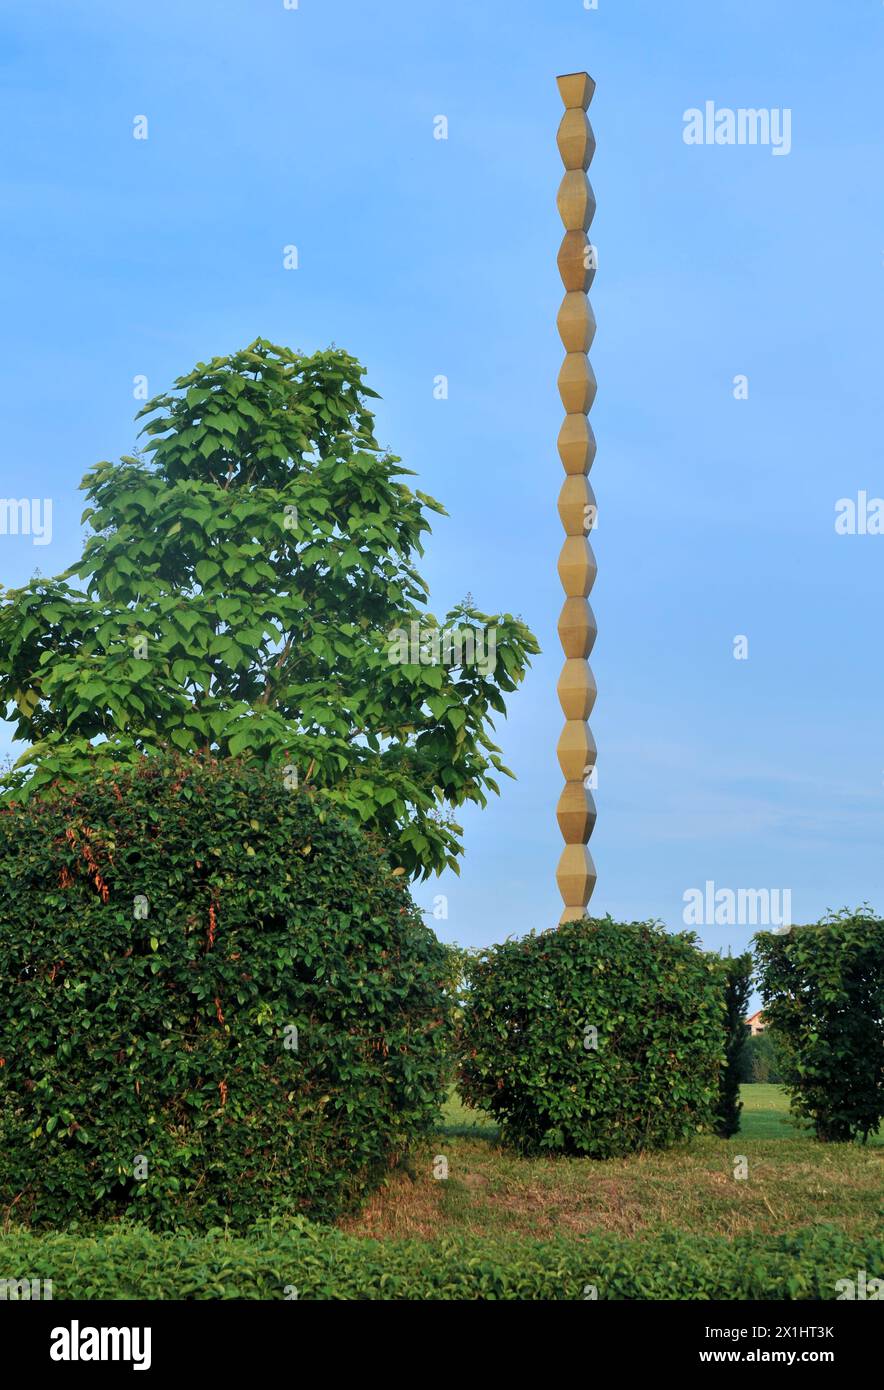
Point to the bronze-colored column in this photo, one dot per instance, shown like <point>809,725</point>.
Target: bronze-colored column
<point>577,387</point>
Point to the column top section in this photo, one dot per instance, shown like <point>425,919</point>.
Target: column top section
<point>576,89</point>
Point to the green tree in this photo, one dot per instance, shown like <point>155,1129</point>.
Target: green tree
<point>249,588</point>
<point>735,978</point>
<point>761,1062</point>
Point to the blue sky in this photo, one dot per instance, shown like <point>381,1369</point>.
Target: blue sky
<point>314,127</point>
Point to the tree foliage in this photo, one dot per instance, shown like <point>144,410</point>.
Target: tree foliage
<point>237,595</point>
<point>760,1063</point>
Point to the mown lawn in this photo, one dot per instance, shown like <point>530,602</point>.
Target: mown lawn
<point>792,1182</point>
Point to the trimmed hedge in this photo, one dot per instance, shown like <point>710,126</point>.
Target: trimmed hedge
<point>598,1038</point>
<point>313,1262</point>
<point>823,993</point>
<point>268,1036</point>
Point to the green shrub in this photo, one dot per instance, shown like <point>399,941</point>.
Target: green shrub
<point>596,1038</point>
<point>270,1033</point>
<point>761,1061</point>
<point>735,973</point>
<point>823,992</point>
<point>313,1262</point>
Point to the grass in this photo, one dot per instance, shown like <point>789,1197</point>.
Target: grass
<point>766,1115</point>
<point>793,1182</point>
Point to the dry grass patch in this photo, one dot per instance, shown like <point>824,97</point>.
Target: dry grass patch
<point>792,1182</point>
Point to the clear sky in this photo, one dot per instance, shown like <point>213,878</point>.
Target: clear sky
<point>314,127</point>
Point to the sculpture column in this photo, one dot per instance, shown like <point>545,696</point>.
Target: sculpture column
<point>577,568</point>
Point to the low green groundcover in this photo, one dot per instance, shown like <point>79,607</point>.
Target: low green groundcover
<point>305,1261</point>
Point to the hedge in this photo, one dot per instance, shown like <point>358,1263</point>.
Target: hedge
<point>307,1261</point>
<point>823,993</point>
<point>599,1038</point>
<point>217,1001</point>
